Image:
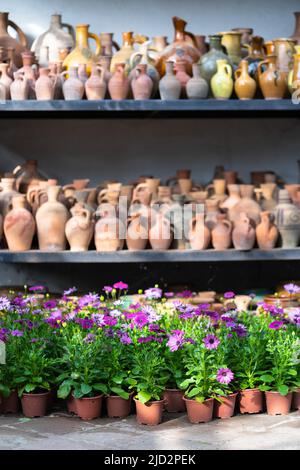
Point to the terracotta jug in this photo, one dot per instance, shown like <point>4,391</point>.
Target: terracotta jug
<point>197,87</point>
<point>95,86</point>
<point>256,53</point>
<point>58,36</point>
<point>104,63</point>
<point>294,75</point>
<point>7,186</point>
<point>19,226</point>
<point>45,85</point>
<point>5,82</point>
<point>183,48</point>
<point>137,233</point>
<point>284,50</point>
<point>160,232</point>
<point>234,197</point>
<point>8,41</point>
<point>185,185</point>
<point>296,35</point>
<point>266,232</point>
<point>245,86</point>
<point>222,82</point>
<point>51,219</point>
<point>246,205</point>
<point>142,84</point>
<point>108,44</point>
<point>119,84</point>
<point>56,70</point>
<point>273,82</point>
<point>73,88</point>
<point>27,175</point>
<point>80,228</point>
<point>221,233</point>
<point>29,71</point>
<point>232,41</point>
<point>83,54</point>
<point>208,62</point>
<point>183,77</point>
<point>212,211</point>
<point>287,220</point>
<point>11,61</point>
<point>243,235</point>
<point>199,234</point>
<point>169,85</point>
<point>109,231</point>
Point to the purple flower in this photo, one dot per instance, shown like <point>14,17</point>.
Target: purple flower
<point>211,342</point>
<point>109,333</point>
<point>17,333</point>
<point>276,325</point>
<point>151,313</point>
<point>186,294</point>
<point>153,293</point>
<point>34,340</point>
<point>50,304</point>
<point>125,339</point>
<point>240,330</point>
<point>107,289</point>
<point>109,321</point>
<point>225,376</point>
<point>141,320</point>
<point>169,295</point>
<point>115,313</point>
<point>146,339</point>
<point>98,318</point>
<point>229,295</point>
<point>176,340</point>
<point>89,338</point>
<point>4,303</point>
<point>121,285</point>
<point>70,291</point>
<point>36,288</point>
<point>292,288</point>
<point>89,300</point>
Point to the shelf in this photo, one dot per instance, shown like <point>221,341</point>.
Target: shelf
<point>150,109</point>
<point>149,256</point>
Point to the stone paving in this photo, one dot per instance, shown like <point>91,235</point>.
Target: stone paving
<point>64,432</point>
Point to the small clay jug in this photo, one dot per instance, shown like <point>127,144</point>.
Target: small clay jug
<point>183,77</point>
<point>212,210</point>
<point>245,86</point>
<point>109,231</point>
<point>80,228</point>
<point>246,205</point>
<point>55,72</point>
<point>108,43</point>
<point>273,82</point>
<point>29,70</point>
<point>123,55</point>
<point>19,89</point>
<point>142,84</point>
<point>185,185</point>
<point>8,192</point>
<point>143,56</point>
<point>268,200</point>
<point>119,84</point>
<point>287,219</point>
<point>95,86</point>
<point>197,87</point>
<point>169,85</point>
<point>5,82</point>
<point>51,219</point>
<point>243,235</point>
<point>19,226</point>
<point>208,62</point>
<point>45,85</point>
<point>199,234</point>
<point>73,88</point>
<point>269,48</point>
<point>137,233</point>
<point>160,232</point>
<point>222,82</point>
<point>104,62</point>
<point>266,232</point>
<point>221,233</point>
<point>234,196</point>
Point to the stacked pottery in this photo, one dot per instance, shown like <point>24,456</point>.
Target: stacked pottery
<point>45,85</point>
<point>197,87</point>
<point>243,235</point>
<point>287,219</point>
<point>80,228</point>
<point>73,88</point>
<point>19,226</point>
<point>95,86</point>
<point>199,234</point>
<point>119,84</point>
<point>266,232</point>
<point>169,85</point>
<point>142,84</point>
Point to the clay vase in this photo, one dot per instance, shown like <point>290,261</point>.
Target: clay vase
<point>294,75</point>
<point>137,233</point>
<point>245,86</point>
<point>219,187</point>
<point>82,73</point>
<point>197,87</point>
<point>222,82</point>
<point>34,405</point>
<point>269,48</point>
<point>108,43</point>
<point>199,412</point>
<point>8,192</point>
<point>58,36</point>
<point>247,204</point>
<point>45,85</point>
<point>199,234</point>
<point>107,232</point>
<point>160,232</point>
<point>267,191</point>
<point>232,41</point>
<point>19,226</point>
<point>234,197</point>
<point>124,54</point>
<point>142,84</point>
<point>29,71</point>
<point>278,404</point>
<point>118,407</point>
<point>183,48</point>
<point>224,409</point>
<point>183,77</point>
<point>169,85</point>
<point>266,232</point>
<point>212,211</point>
<point>5,82</point>
<point>200,40</point>
<point>287,220</point>
<point>185,185</point>
<point>284,50</point>
<point>273,82</point>
<point>73,88</point>
<point>80,228</point>
<point>174,400</point>
<point>230,177</point>
<point>146,192</point>
<point>256,53</point>
<point>19,89</point>
<point>95,86</point>
<point>82,53</point>
<point>150,413</point>
<point>296,35</point>
<point>243,235</point>
<point>119,84</point>
<point>8,41</point>
<point>221,233</point>
<point>27,176</point>
<point>143,56</point>
<point>89,408</point>
<point>208,62</point>
<point>51,219</point>
<point>104,63</point>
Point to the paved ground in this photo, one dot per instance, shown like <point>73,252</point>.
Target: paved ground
<point>61,431</point>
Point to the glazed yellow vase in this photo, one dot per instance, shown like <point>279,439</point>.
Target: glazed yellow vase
<point>294,75</point>
<point>124,54</point>
<point>222,82</point>
<point>83,54</point>
<point>231,40</point>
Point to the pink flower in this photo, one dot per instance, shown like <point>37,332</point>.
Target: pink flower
<point>225,376</point>
<point>121,285</point>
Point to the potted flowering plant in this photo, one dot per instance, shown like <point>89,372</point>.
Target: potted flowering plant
<point>8,373</point>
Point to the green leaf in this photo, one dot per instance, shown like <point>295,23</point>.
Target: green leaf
<point>293,372</point>
<point>118,379</point>
<point>195,391</point>
<point>200,399</point>
<point>143,396</point>
<point>132,382</point>
<point>64,390</point>
<point>86,389</point>
<point>264,388</point>
<point>267,378</point>
<point>29,388</point>
<point>100,387</point>
<point>184,385</point>
<point>77,393</point>
<point>121,393</point>
<point>283,389</point>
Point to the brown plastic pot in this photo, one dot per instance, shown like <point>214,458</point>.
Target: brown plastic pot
<point>225,408</point>
<point>118,407</point>
<point>149,413</point>
<point>278,404</point>
<point>174,400</point>
<point>11,404</point>
<point>296,399</point>
<point>199,412</point>
<point>71,405</point>
<point>34,405</point>
<point>89,408</point>
<point>251,401</point>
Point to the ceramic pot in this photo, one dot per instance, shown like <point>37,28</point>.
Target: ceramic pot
<point>247,204</point>
<point>160,232</point>
<point>218,188</point>
<point>95,86</point>
<point>108,44</point>
<point>45,85</point>
<point>142,84</point>
<point>199,412</point>
<point>107,233</point>
<point>80,228</point>
<point>119,84</point>
<point>251,401</point>
<point>5,82</point>
<point>8,41</point>
<point>230,177</point>
<point>284,50</point>
<point>267,193</point>
<point>296,399</point>
<point>174,402</point>
<point>29,71</point>
<point>243,235</point>
<point>10,58</point>
<point>19,89</point>
<point>294,75</point>
<point>124,54</point>
<point>89,408</point>
<point>256,53</point>
<point>245,86</point>
<point>83,54</point>
<point>296,35</point>
<point>19,226</point>
<point>200,40</point>
<point>11,404</point>
<point>221,233</point>
<point>143,57</point>
<point>183,77</point>
<point>199,234</point>
<point>242,302</point>
<point>137,233</point>
<point>27,176</point>
<point>208,62</point>
<point>234,196</point>
<point>118,407</point>
<point>169,85</point>
<point>278,404</point>
<point>222,82</point>
<point>51,219</point>
<point>58,36</point>
<point>185,186</point>
<point>212,211</point>
<point>71,405</point>
<point>197,87</point>
<point>272,82</point>
<point>232,41</point>
<point>34,405</point>
<point>6,195</point>
<point>224,409</point>
<point>287,220</point>
<point>150,413</point>
<point>266,232</point>
<point>73,88</point>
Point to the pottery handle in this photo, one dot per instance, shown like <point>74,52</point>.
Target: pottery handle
<point>237,74</point>
<point>116,46</point>
<point>101,195</point>
<point>228,69</point>
<point>98,43</point>
<point>21,34</point>
<point>191,35</point>
<point>63,74</point>
<point>68,186</point>
<point>259,67</point>
<point>30,195</point>
<point>246,46</point>
<point>133,56</point>
<point>228,223</point>
<point>17,169</point>
<point>70,29</point>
